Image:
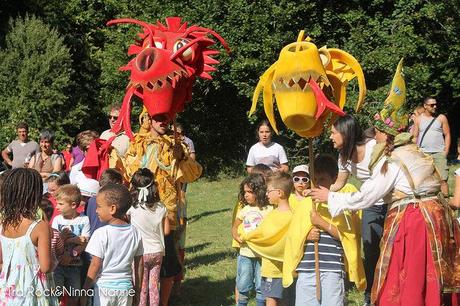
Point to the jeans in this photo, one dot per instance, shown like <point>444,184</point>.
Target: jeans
<point>332,289</point>
<point>372,231</point>
<point>248,277</point>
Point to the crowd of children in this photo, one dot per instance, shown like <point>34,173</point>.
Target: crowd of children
<point>82,246</point>
<point>291,251</point>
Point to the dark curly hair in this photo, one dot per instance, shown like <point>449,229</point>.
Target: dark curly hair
<point>142,178</point>
<point>257,184</point>
<point>21,194</point>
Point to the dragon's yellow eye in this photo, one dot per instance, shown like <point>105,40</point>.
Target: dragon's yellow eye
<point>180,43</point>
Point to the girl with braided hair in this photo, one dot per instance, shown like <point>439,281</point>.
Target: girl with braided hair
<point>25,242</point>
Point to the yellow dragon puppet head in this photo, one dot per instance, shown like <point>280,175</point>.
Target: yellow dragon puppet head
<point>304,80</point>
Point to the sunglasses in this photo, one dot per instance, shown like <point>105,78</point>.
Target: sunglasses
<point>297,179</point>
<point>431,104</point>
<point>113,117</point>
<point>160,118</point>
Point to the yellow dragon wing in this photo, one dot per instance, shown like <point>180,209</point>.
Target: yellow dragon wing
<point>346,67</point>
<point>265,84</point>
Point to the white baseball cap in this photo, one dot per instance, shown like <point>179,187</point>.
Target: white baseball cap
<point>88,187</point>
<point>301,168</point>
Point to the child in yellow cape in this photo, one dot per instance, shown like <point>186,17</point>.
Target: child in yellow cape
<point>269,237</point>
<point>339,245</point>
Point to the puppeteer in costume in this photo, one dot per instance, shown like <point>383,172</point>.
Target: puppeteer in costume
<point>419,259</point>
<point>167,60</point>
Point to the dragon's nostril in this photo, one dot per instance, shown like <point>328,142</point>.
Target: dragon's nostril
<point>145,59</point>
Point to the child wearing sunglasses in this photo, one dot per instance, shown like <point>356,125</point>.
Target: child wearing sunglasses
<point>301,181</point>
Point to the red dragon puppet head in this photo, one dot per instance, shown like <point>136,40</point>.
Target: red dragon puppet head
<point>167,61</point>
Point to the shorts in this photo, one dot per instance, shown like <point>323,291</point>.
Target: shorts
<point>68,277</point>
<point>440,162</point>
<point>170,266</point>
<point>272,288</point>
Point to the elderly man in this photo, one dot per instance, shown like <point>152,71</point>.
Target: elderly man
<point>22,148</point>
<point>433,137</point>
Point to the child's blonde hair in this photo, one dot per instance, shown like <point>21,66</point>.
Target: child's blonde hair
<point>69,193</point>
<point>282,181</point>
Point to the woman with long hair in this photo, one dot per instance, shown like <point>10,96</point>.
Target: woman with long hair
<point>355,148</point>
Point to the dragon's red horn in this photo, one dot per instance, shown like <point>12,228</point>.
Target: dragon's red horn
<point>133,21</point>
<point>213,33</point>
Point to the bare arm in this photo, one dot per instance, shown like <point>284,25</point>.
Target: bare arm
<point>235,226</point>
<point>6,156</point>
<point>342,178</point>
<point>166,227</point>
<point>138,274</point>
<point>93,270</point>
<point>31,162</point>
<point>284,168</point>
<point>416,129</point>
<point>446,132</point>
<point>58,164</point>
<point>319,222</point>
<point>192,155</point>
<point>42,239</point>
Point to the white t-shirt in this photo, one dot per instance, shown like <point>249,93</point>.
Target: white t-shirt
<point>148,221</point>
<point>120,143</point>
<point>251,217</point>
<point>457,172</point>
<point>78,226</point>
<point>116,246</point>
<point>361,170</point>
<point>76,175</point>
<point>272,155</point>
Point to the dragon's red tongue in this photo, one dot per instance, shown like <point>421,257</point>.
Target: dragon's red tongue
<point>123,122</point>
<point>322,101</point>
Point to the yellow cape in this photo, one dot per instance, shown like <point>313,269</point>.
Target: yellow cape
<point>269,237</point>
<point>349,227</point>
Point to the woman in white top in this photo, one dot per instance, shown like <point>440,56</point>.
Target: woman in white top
<point>354,156</point>
<point>266,151</point>
<point>419,258</point>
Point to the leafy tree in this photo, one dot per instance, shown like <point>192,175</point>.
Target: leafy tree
<point>35,75</point>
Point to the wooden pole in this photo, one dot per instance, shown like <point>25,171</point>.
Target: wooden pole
<point>311,168</point>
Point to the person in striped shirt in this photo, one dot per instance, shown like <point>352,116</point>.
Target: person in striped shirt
<point>338,243</point>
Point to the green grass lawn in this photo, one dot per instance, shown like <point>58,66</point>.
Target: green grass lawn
<point>210,260</point>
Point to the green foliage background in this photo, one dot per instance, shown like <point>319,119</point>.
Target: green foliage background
<point>72,96</point>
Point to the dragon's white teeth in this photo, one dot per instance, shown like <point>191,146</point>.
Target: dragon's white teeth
<point>296,78</point>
